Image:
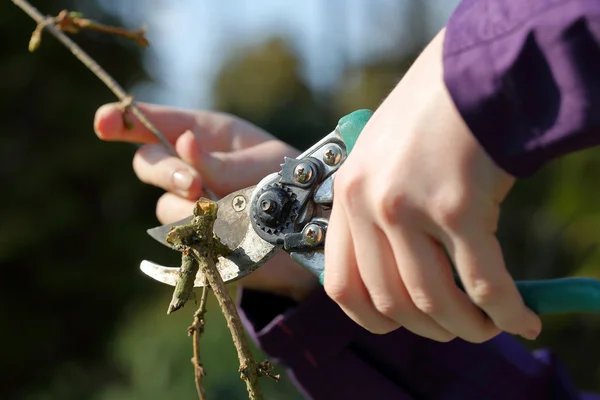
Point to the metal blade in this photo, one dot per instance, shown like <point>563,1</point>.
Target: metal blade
<point>235,230</point>
<point>230,225</point>
<point>160,232</point>
<point>252,253</point>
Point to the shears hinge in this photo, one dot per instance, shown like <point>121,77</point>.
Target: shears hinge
<point>311,237</point>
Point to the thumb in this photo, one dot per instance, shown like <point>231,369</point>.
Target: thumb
<point>226,172</point>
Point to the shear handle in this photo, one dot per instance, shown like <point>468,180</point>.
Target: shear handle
<point>552,296</point>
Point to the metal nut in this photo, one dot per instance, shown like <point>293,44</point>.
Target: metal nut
<point>239,203</point>
<point>332,155</point>
<point>303,173</point>
<point>313,234</point>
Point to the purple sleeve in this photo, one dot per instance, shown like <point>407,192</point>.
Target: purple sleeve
<point>330,357</point>
<point>524,76</point>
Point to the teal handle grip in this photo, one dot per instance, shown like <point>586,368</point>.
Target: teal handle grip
<point>352,125</point>
<point>560,296</point>
<point>544,297</point>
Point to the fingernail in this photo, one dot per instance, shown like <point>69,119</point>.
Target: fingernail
<point>183,181</point>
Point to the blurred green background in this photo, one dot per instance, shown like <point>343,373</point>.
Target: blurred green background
<point>78,319</point>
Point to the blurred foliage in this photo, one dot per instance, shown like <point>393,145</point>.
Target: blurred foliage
<point>550,228</point>
<point>69,206</point>
<point>81,322</point>
<point>263,84</point>
<point>155,351</point>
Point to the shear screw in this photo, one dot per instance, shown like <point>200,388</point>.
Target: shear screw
<point>239,203</point>
<point>302,173</point>
<point>332,156</point>
<point>313,234</point>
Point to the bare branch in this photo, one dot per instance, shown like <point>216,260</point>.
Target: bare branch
<point>196,330</point>
<point>199,239</point>
<point>184,289</point>
<point>46,22</point>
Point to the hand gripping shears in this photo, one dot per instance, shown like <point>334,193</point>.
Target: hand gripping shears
<point>285,210</point>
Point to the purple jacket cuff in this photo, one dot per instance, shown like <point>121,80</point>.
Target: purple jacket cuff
<point>524,76</point>
<point>331,357</point>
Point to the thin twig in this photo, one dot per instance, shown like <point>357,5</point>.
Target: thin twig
<point>127,103</point>
<point>72,22</point>
<point>197,237</point>
<point>184,289</point>
<point>249,368</point>
<point>196,330</point>
<point>112,84</point>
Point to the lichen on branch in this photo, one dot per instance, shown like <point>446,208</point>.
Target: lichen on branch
<point>198,233</point>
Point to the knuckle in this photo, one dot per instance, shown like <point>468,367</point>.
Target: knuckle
<point>449,209</point>
<point>338,291</point>
<point>224,125</point>
<point>387,307</point>
<point>485,293</point>
<point>348,186</point>
<point>426,303</point>
<point>392,206</point>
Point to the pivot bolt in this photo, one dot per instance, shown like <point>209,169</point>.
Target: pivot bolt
<point>303,173</point>
<point>313,234</point>
<point>268,206</point>
<point>273,207</point>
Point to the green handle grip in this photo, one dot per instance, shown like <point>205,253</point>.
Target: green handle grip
<point>352,125</point>
<point>563,295</point>
<point>552,296</point>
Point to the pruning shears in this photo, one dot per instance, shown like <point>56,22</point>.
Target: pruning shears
<point>285,211</point>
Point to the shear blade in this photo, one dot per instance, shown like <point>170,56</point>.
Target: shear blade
<point>234,229</point>
<point>167,275</point>
<point>160,232</point>
<point>230,226</point>
<point>170,275</point>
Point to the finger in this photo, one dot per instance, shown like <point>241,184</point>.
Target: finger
<point>172,122</point>
<point>225,172</point>
<point>171,208</point>
<point>342,279</point>
<point>218,131</point>
<point>427,275</point>
<point>480,264</point>
<point>380,275</point>
<point>155,166</point>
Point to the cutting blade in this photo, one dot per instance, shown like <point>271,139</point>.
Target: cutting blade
<point>234,229</point>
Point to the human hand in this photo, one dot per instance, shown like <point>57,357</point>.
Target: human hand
<point>218,150</point>
<point>417,182</point>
